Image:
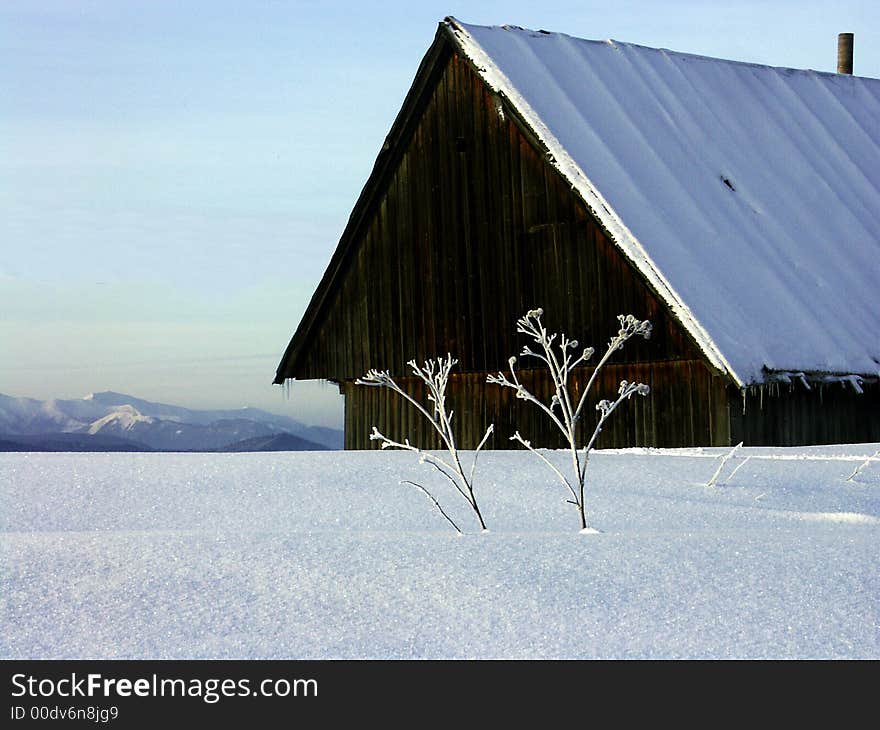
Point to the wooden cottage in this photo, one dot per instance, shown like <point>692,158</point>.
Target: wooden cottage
<point>736,206</point>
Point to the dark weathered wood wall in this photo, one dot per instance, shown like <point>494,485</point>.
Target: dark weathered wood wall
<point>785,415</point>
<point>687,405</point>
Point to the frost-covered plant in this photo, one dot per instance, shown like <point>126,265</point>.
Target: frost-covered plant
<point>435,375</point>
<point>864,465</point>
<point>565,408</point>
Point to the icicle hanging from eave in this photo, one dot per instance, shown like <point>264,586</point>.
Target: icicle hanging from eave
<point>853,380</point>
<point>777,378</point>
<point>788,378</point>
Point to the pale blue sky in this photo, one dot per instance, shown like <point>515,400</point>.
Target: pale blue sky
<point>174,176</point>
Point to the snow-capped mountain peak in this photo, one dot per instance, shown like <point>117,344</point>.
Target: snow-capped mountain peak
<point>122,418</point>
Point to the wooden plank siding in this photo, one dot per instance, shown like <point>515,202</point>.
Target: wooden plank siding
<point>783,415</point>
<point>686,404</point>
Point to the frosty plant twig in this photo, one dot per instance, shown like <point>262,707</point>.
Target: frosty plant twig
<point>565,409</point>
<point>435,375</point>
<point>859,469</point>
<point>727,457</point>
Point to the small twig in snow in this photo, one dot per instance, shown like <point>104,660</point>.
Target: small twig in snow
<point>727,457</point>
<point>744,462</point>
<point>858,470</point>
<point>436,504</point>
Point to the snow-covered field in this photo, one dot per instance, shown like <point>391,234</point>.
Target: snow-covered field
<point>325,555</point>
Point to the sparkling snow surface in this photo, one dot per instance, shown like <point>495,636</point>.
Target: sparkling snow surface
<point>777,267</point>
<point>325,555</point>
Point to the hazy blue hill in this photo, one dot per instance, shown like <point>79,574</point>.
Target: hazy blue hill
<point>8,445</point>
<point>331,438</point>
<point>68,442</point>
<point>276,442</point>
<point>154,426</point>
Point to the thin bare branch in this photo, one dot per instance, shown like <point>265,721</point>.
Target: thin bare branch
<point>436,504</point>
<point>724,460</point>
<point>477,450</point>
<point>739,466</point>
<point>864,465</point>
<point>518,437</point>
<point>441,466</point>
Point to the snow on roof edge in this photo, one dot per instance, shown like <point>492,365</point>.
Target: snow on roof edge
<point>620,235</point>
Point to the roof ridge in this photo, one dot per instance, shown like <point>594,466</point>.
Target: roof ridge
<point>685,54</point>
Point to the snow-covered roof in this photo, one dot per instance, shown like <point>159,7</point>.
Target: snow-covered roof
<point>747,195</point>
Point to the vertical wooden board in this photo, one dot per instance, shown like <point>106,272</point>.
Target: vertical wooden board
<point>473,212</point>
<point>492,267</point>
<point>361,343</point>
<point>348,426</point>
<point>455,301</point>
<point>482,249</point>
<point>692,392</point>
<point>352,405</point>
<point>428,213</point>
<point>517,261</point>
<point>558,266</point>
<point>379,398</point>
<point>356,404</point>
<point>598,289</point>
<point>380,409</point>
<point>407,421</point>
<point>506,290</point>
<point>530,265</point>
<point>584,256</point>
<point>348,323</point>
<point>496,303</point>
<point>569,255</point>
<point>721,413</point>
<point>397,277</point>
<point>364,351</point>
<point>684,398</point>
<point>382,279</point>
<point>365,398</point>
<point>638,408</point>
<point>448,193</point>
<point>377,293</point>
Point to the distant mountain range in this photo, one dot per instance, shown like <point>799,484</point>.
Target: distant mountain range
<point>111,421</point>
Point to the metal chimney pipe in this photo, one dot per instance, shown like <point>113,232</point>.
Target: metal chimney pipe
<point>845,53</point>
